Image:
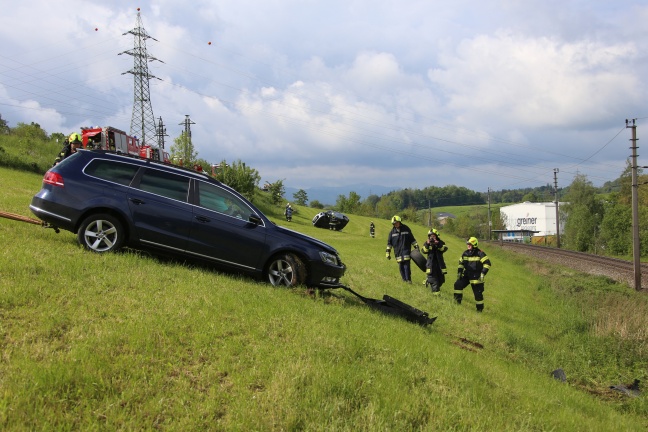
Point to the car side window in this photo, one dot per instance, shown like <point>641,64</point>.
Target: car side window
<point>165,184</point>
<point>117,172</point>
<point>214,198</point>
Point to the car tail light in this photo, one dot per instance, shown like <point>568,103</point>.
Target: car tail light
<point>55,179</point>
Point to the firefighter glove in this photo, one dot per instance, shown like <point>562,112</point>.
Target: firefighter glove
<point>481,277</point>
<point>415,245</point>
<point>388,256</point>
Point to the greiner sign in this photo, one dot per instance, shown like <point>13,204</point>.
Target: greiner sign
<point>526,221</point>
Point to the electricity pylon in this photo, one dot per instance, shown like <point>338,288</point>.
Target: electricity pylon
<point>143,122</point>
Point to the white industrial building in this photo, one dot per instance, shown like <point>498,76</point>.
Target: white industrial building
<point>531,218</point>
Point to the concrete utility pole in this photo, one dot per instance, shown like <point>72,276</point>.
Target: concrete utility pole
<point>187,125</point>
<point>557,212</point>
<point>636,251</point>
<point>160,134</point>
<point>490,222</point>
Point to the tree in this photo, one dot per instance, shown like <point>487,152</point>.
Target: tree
<point>4,127</point>
<point>469,225</point>
<point>616,229</point>
<point>277,191</point>
<point>58,137</point>
<point>240,177</point>
<point>585,212</point>
<point>531,197</point>
<point>183,151</point>
<point>388,206</point>
<point>300,197</point>
<point>316,204</point>
<point>348,205</point>
<point>31,131</point>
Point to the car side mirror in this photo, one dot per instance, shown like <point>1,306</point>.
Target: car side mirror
<point>254,219</point>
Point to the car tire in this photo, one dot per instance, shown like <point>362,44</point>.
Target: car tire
<point>286,270</point>
<point>418,259</point>
<point>101,233</point>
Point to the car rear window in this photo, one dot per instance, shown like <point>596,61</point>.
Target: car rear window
<point>166,184</point>
<point>117,172</point>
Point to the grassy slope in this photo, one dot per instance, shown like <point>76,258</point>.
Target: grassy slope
<point>131,341</point>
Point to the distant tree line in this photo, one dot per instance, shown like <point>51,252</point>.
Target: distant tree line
<point>597,220</point>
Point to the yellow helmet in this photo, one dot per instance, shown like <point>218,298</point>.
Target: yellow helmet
<point>395,219</point>
<point>472,241</point>
<point>75,138</point>
<point>433,231</point>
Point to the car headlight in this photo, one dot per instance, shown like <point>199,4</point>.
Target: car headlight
<point>329,258</point>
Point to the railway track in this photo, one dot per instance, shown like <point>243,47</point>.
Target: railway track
<point>617,269</point>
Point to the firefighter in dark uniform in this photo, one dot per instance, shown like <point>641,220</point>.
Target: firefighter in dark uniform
<point>72,143</point>
<point>435,266</point>
<point>473,266</point>
<point>401,240</point>
<point>372,230</point>
<point>288,212</point>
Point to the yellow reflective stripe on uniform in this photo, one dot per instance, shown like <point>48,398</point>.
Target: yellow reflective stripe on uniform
<point>475,281</point>
<point>486,266</point>
<point>473,258</point>
<point>484,259</point>
<point>479,302</point>
<point>458,291</point>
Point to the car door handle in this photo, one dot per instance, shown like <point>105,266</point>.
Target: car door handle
<point>137,201</point>
<point>203,219</point>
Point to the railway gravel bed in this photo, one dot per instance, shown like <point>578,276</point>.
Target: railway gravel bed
<point>616,269</point>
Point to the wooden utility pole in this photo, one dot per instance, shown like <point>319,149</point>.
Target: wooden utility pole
<point>557,212</point>
<point>636,251</point>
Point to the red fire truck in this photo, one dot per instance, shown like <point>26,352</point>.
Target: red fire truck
<point>110,138</point>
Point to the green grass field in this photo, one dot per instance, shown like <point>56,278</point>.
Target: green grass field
<point>132,341</point>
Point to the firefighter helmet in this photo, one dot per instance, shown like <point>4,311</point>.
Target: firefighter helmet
<point>75,138</point>
<point>395,219</point>
<point>433,231</point>
<point>472,241</point>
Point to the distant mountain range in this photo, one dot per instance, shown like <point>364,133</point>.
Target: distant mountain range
<point>329,195</point>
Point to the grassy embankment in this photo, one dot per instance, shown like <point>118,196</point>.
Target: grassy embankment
<point>131,341</point>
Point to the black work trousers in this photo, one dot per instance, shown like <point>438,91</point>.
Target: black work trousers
<point>405,269</point>
<point>478,291</point>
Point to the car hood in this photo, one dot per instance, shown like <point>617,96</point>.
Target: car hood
<point>304,237</point>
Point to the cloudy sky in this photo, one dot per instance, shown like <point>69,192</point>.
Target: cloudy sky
<point>481,94</point>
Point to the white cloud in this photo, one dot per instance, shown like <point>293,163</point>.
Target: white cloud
<point>515,81</point>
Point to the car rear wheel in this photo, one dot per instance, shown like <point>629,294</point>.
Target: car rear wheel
<point>101,233</point>
<point>286,270</point>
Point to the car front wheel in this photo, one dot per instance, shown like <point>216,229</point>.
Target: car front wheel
<point>286,270</point>
<point>101,233</point>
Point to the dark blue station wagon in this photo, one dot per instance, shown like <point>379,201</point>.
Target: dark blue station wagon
<point>111,201</point>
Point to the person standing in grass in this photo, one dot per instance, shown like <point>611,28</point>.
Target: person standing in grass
<point>288,212</point>
<point>401,240</point>
<point>71,145</point>
<point>435,266</point>
<point>473,266</point>
<point>372,230</point>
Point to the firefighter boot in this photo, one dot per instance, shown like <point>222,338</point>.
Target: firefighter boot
<point>458,298</point>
